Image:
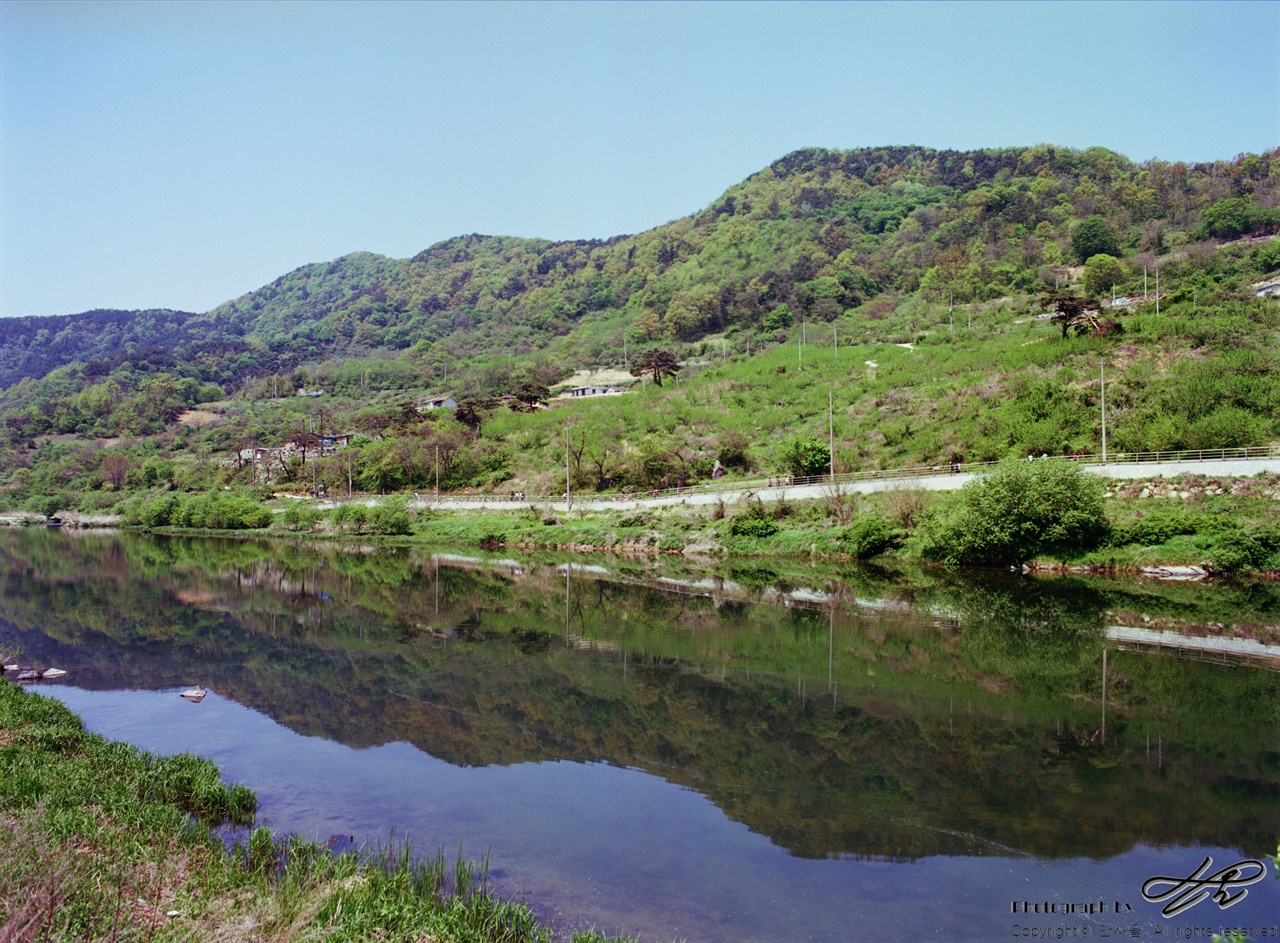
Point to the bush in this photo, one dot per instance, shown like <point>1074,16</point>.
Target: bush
<point>752,527</point>
<point>193,511</point>
<point>159,511</point>
<point>1021,510</point>
<point>1254,549</point>
<point>390,521</point>
<point>298,516</point>
<point>236,513</point>
<point>1155,530</point>
<point>868,536</point>
<point>351,518</point>
<point>806,456</point>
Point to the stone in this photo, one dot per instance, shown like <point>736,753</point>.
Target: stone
<point>195,694</point>
<point>51,673</point>
<point>28,674</point>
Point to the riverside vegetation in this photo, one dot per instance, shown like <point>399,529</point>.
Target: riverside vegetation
<point>105,842</point>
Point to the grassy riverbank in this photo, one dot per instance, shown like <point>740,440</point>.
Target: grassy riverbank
<point>101,841</point>
<point>1228,525</point>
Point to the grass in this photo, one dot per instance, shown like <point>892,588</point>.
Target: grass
<point>103,842</point>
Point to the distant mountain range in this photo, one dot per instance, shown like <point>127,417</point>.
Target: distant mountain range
<point>814,235</point>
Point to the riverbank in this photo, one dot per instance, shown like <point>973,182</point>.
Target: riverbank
<point>1216,524</point>
<point>104,841</point>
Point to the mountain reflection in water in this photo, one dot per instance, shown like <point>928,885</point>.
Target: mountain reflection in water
<point>685,751</point>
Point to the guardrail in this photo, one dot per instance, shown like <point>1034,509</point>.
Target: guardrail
<point>782,482</point>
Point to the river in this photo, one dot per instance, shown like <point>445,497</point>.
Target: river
<point>731,750</point>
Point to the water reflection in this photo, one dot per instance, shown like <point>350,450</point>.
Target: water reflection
<point>622,736</point>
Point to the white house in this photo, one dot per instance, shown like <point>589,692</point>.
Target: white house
<point>440,402</point>
<point>596,390</point>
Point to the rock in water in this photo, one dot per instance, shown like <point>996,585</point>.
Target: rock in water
<point>28,674</point>
<point>195,694</point>
<point>51,673</point>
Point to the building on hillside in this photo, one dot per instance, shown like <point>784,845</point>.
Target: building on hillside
<point>439,402</point>
<point>596,390</point>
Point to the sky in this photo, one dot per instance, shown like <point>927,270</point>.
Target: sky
<point>179,155</point>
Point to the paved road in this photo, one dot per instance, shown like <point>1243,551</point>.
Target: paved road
<point>1236,468</point>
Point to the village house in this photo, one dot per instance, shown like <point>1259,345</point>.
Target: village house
<point>439,402</point>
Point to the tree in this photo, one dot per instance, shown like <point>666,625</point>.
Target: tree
<point>1101,272</point>
<point>779,317</point>
<point>470,413</point>
<point>656,363</point>
<point>114,468</point>
<point>1228,219</point>
<point>806,456</point>
<point>530,393</point>
<point>1094,237</point>
<point>1021,510</point>
<point>1070,309</point>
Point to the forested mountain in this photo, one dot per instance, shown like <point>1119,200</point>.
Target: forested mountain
<point>821,232</point>
<point>960,259</point>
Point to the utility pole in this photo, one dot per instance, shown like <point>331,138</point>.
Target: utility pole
<point>831,433</point>
<point>1102,367</point>
<point>1144,283</point>
<point>437,476</point>
<point>800,351</point>
<point>1157,289</point>
<point>568,486</point>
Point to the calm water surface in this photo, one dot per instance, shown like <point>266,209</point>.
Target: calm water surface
<point>741,753</point>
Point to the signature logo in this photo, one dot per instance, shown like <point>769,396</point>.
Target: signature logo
<point>1226,886</point>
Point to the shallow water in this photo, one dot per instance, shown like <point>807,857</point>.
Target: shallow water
<point>738,755</point>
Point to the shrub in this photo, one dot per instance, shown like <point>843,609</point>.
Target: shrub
<point>1021,510</point>
<point>351,518</point>
<point>159,511</point>
<point>193,511</point>
<point>298,516</point>
<point>390,521</point>
<point>806,456</point>
<point>236,513</point>
<point>868,536</point>
<point>752,527</point>
<point>1238,550</point>
<point>754,520</point>
<point>1155,529</point>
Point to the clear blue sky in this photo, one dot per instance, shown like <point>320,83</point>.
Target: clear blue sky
<point>180,154</point>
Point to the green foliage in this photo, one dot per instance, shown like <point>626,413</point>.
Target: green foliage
<point>869,536</point>
<point>806,456</point>
<point>350,517</point>
<point>159,511</point>
<point>1101,274</point>
<point>390,521</point>
<point>656,363</point>
<point>217,511</point>
<point>1021,510</point>
<point>779,318</point>
<point>753,521</point>
<point>1156,528</point>
<point>1094,237</point>
<point>298,516</point>
<point>1235,217</point>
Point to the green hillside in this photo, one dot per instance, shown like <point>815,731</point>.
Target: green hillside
<point>941,298</point>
